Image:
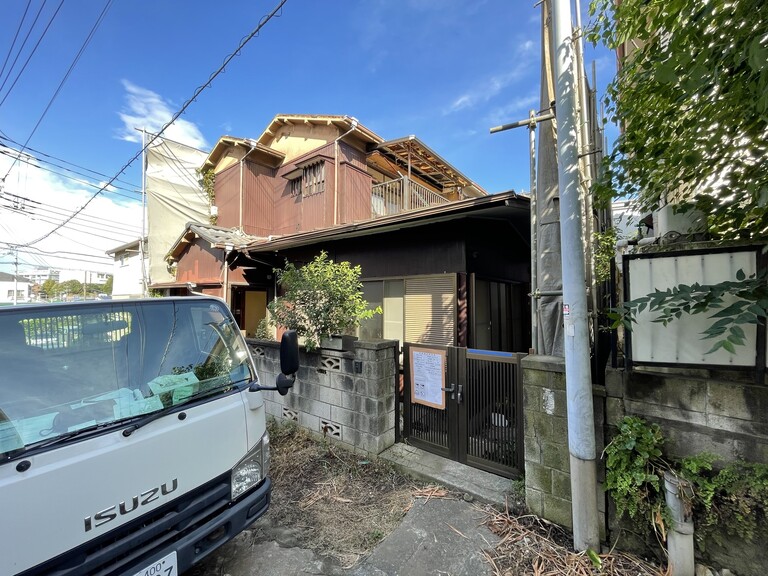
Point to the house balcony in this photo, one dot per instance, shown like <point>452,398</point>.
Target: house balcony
<point>402,195</point>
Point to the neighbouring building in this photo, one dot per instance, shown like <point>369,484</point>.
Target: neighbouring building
<point>129,272</point>
<point>14,288</point>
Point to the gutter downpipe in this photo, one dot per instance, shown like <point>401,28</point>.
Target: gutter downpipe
<point>336,171</point>
<point>580,410</point>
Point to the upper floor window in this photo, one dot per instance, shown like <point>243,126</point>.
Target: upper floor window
<point>314,179</point>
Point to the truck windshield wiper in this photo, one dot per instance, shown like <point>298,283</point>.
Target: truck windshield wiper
<point>144,420</point>
<point>176,408</point>
<point>66,436</point>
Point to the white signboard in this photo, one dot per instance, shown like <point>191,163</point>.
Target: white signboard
<point>428,377</point>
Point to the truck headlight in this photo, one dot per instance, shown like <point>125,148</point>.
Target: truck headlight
<point>252,469</point>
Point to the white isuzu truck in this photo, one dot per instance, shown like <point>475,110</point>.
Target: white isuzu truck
<point>132,435</point>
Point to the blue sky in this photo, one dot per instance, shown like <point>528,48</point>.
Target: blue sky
<point>443,70</point>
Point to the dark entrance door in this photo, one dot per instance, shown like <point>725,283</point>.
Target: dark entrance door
<point>465,405</point>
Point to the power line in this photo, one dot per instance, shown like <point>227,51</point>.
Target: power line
<point>29,251</point>
<point>38,153</point>
<point>30,54</point>
<point>137,193</point>
<point>197,92</point>
<point>63,80</point>
<point>15,37</point>
<point>20,204</point>
<point>24,43</point>
<point>75,227</point>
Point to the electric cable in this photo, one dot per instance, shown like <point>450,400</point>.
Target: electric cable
<point>136,193</point>
<point>81,228</point>
<point>15,37</point>
<point>264,20</point>
<point>26,62</point>
<point>24,43</point>
<point>87,41</point>
<point>38,154</point>
<point>19,204</point>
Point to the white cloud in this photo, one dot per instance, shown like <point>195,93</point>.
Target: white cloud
<point>148,110</point>
<point>514,110</point>
<point>491,87</point>
<point>33,205</point>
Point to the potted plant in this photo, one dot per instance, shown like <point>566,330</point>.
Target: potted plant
<point>321,300</point>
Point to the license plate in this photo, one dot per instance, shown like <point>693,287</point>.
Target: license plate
<point>166,566</point>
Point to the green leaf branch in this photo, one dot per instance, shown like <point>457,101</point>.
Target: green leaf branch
<point>738,303</point>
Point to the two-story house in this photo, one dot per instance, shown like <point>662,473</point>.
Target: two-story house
<point>448,263</point>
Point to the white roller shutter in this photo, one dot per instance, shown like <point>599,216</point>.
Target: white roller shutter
<point>430,309</point>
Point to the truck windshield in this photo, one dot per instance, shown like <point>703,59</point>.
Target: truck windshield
<point>88,366</point>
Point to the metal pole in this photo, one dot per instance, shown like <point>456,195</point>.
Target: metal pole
<point>142,260</point>
<point>534,238</point>
<point>586,157</point>
<point>581,428</point>
<point>15,274</point>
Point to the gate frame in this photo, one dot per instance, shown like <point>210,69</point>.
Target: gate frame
<point>457,418</point>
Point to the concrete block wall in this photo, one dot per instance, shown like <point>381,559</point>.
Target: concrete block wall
<point>348,396</point>
<point>698,410</point>
<point>547,457</point>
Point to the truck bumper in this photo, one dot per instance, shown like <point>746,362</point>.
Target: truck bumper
<point>193,533</point>
<point>197,545</point>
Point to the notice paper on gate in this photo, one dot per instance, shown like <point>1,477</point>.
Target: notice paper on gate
<point>428,376</point>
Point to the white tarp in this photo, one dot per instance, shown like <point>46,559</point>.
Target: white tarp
<point>174,198</point>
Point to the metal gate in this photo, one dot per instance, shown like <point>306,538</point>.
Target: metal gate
<point>465,405</point>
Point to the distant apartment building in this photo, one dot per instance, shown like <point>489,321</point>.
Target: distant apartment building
<point>40,275</point>
<point>84,276</point>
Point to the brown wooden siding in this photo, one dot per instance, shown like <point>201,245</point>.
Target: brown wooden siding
<point>200,264</point>
<point>354,185</point>
<point>227,190</point>
<point>294,214</point>
<point>355,204</point>
<point>258,199</point>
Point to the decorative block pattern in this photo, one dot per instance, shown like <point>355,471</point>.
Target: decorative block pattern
<point>330,363</point>
<point>347,395</point>
<point>330,429</point>
<point>257,351</point>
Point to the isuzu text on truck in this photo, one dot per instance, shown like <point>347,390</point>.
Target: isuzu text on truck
<point>132,435</point>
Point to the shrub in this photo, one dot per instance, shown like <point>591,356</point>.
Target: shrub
<point>321,299</point>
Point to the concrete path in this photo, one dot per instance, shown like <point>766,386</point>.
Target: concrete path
<point>437,537</point>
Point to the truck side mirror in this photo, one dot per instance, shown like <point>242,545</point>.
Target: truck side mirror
<point>289,352</point>
<point>289,365</point>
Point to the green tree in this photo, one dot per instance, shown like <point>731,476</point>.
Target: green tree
<point>50,287</point>
<point>107,288</point>
<point>70,287</point>
<point>691,97</point>
<point>320,299</point>
<point>692,102</point>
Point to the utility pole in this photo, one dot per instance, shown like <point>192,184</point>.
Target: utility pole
<point>578,381</point>
<point>15,275</point>
<point>142,256</point>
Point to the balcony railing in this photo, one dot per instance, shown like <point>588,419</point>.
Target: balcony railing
<point>403,195</point>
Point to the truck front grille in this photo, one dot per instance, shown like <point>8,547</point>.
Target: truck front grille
<point>109,554</point>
